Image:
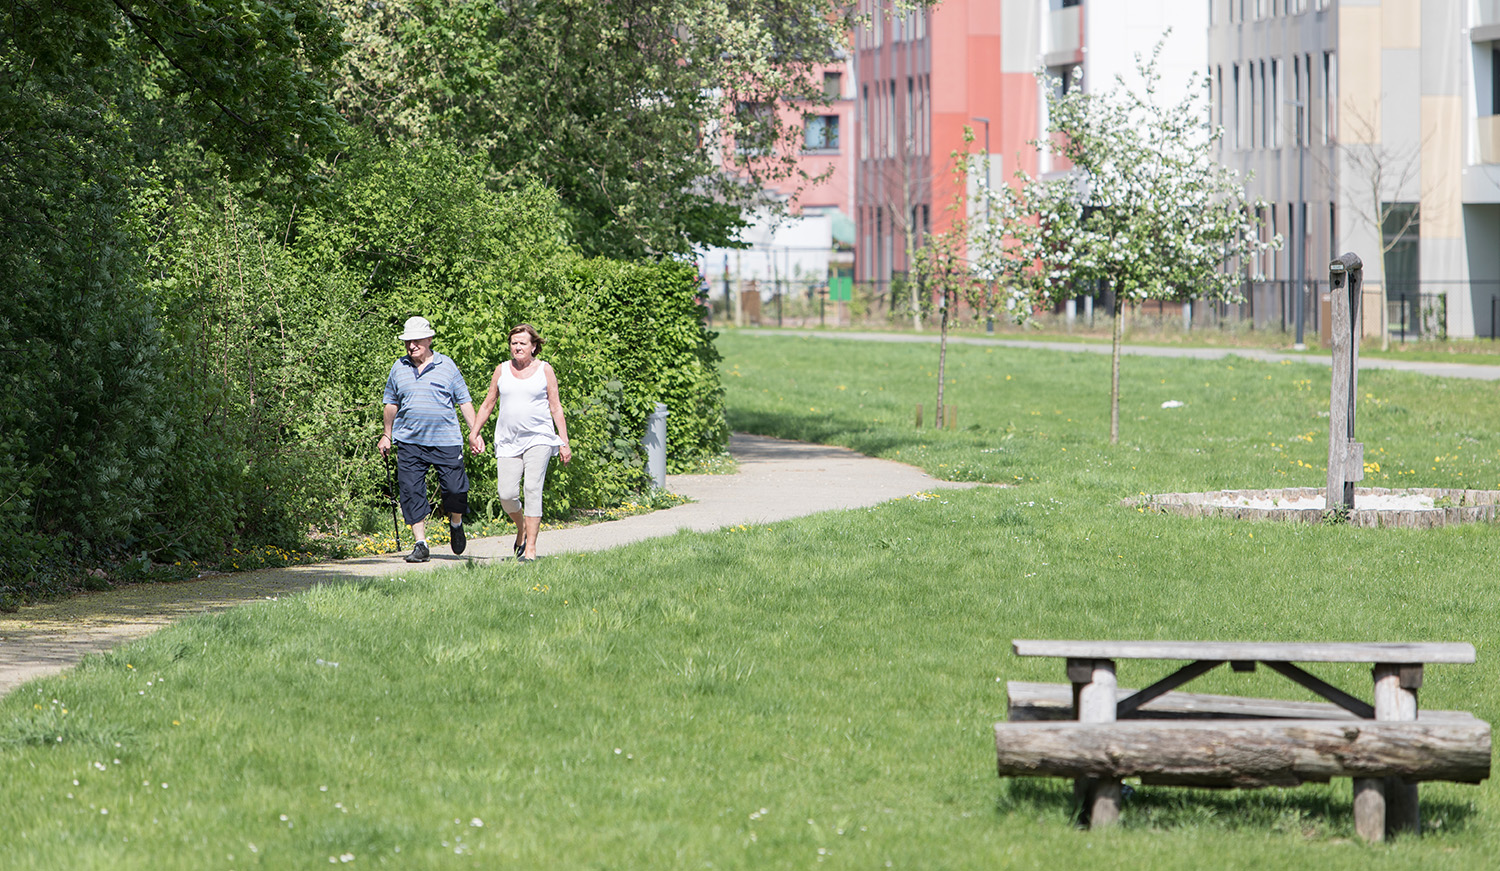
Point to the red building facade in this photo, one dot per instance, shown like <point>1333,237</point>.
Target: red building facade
<point>922,76</point>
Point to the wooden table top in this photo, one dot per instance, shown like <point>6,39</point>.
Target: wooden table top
<point>1372,652</point>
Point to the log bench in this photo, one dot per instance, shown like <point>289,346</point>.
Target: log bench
<point>1097,733</point>
<point>1027,701</point>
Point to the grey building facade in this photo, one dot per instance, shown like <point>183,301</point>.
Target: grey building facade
<point>1370,126</point>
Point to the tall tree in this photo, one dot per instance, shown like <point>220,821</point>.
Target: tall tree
<point>92,97</point>
<point>654,120</point>
<point>1145,209</point>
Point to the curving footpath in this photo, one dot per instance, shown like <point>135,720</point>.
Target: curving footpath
<point>776,480</point>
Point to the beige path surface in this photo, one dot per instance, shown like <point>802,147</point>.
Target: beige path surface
<point>777,480</point>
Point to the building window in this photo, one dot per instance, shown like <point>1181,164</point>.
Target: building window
<point>1238,118</point>
<point>1218,97</point>
<point>1330,97</point>
<point>1401,234</point>
<point>821,132</point>
<point>890,116</point>
<point>833,86</point>
<point>864,123</point>
<point>909,132</point>
<point>1495,80</point>
<point>1298,104</point>
<point>755,127</point>
<point>1274,104</point>
<point>1265,108</point>
<point>1253,103</point>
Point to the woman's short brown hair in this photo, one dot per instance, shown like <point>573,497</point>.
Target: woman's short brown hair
<point>528,329</point>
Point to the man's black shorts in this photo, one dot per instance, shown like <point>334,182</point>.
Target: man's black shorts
<point>412,462</point>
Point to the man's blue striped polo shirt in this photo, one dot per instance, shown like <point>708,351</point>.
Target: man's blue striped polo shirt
<point>424,403</point>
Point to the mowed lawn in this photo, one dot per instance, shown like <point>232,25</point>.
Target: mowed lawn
<point>817,693</point>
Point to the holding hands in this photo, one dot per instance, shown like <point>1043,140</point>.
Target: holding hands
<point>476,443</point>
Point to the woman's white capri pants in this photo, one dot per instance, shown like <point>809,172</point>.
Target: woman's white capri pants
<point>533,465</point>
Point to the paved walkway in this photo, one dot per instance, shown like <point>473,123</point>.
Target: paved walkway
<point>1478,371</point>
<point>776,480</point>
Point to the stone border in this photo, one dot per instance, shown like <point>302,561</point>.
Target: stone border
<point>1464,506</point>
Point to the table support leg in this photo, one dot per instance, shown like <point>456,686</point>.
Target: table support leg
<point>1369,808</point>
<point>1396,699</point>
<point>1095,695</point>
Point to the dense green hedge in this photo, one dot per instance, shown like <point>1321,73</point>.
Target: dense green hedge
<point>211,376</point>
<point>622,337</point>
<point>310,326</point>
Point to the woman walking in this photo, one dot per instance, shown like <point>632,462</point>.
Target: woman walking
<point>529,431</point>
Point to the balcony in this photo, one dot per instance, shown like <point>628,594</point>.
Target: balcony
<point>1065,36</point>
<point>1486,24</point>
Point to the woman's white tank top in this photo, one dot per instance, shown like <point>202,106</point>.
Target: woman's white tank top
<point>523,419</point>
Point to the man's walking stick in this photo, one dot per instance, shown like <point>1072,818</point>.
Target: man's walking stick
<point>390,474</point>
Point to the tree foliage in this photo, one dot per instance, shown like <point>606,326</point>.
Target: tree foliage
<point>1145,211</point>
<point>620,107</point>
<point>91,95</point>
<point>283,339</point>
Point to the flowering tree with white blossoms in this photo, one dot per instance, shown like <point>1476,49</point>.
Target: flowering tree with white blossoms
<point>1143,208</point>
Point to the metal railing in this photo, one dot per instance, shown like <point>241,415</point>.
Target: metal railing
<point>1415,311</point>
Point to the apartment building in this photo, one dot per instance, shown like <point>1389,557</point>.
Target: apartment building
<point>1370,126</point>
<point>794,251</point>
<point>924,75</point>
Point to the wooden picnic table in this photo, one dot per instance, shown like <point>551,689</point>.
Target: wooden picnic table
<point>1397,675</point>
<point>1397,669</point>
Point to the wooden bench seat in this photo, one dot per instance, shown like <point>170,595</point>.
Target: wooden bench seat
<point>1094,732</point>
<point>1245,753</point>
<point>1029,702</point>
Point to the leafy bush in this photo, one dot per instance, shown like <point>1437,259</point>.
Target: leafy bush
<point>621,337</point>
<point>282,345</point>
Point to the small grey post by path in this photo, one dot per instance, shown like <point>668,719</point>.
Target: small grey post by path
<point>655,443</point>
<point>1346,457</point>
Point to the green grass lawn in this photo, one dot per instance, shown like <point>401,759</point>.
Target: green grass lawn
<point>817,693</point>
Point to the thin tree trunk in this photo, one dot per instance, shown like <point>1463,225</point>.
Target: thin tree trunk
<point>1114,371</point>
<point>911,285</point>
<point>937,420</point>
<point>1385,307</point>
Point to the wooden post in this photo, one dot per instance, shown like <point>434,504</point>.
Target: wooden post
<point>1094,695</point>
<point>1346,462</point>
<point>951,411</point>
<point>1396,699</point>
<point>1369,808</point>
<point>919,415</point>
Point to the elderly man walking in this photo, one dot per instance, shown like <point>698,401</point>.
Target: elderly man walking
<point>420,394</point>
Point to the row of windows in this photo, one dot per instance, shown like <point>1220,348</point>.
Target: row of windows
<point>889,234</point>
<point>821,132</point>
<point>880,16</point>
<point>889,129</point>
<point>1259,108</point>
<point>1285,218</point>
<point>1237,10</point>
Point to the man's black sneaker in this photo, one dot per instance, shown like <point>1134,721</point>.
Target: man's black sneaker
<point>459,541</point>
<point>418,554</point>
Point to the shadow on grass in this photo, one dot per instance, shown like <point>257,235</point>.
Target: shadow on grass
<point>1313,812</point>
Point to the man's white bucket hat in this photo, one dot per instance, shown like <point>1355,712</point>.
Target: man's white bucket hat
<point>416,328</point>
